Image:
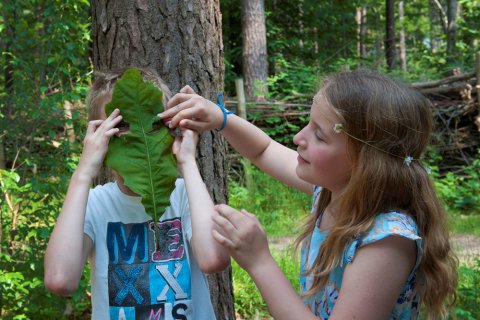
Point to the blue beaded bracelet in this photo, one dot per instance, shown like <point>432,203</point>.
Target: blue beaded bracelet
<point>225,111</point>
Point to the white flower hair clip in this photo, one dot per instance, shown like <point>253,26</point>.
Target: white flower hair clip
<point>337,128</point>
<point>408,160</point>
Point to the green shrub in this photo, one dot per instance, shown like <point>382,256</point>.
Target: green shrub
<point>278,207</point>
<point>460,191</point>
<point>468,300</point>
<point>248,301</point>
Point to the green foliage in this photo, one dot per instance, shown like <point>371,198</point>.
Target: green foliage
<point>143,156</point>
<point>460,191</point>
<point>468,292</point>
<point>248,300</point>
<point>278,207</point>
<point>293,80</point>
<point>45,63</point>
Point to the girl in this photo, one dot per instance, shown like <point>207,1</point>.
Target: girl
<point>376,245</point>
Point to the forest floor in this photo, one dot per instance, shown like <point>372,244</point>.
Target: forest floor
<point>466,246</point>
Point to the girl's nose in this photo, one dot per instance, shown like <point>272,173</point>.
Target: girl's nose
<point>299,138</point>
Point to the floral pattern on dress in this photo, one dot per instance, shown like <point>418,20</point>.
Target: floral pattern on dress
<point>385,225</point>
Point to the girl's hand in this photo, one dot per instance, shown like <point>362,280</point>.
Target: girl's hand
<point>185,146</point>
<point>188,110</point>
<point>242,235</point>
<point>95,144</point>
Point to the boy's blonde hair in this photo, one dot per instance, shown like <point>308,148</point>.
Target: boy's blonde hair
<point>395,120</point>
<point>102,89</point>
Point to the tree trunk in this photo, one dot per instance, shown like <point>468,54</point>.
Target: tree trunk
<point>182,41</point>
<point>432,15</point>
<point>361,20</point>
<point>452,7</point>
<point>255,65</point>
<point>301,28</point>
<point>390,34</point>
<point>403,49</point>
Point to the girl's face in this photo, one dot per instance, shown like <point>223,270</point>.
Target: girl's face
<point>322,153</point>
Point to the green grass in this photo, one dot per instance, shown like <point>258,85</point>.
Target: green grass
<point>248,301</point>
<point>464,224</point>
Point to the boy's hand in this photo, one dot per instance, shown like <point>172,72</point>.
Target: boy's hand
<point>95,144</point>
<point>242,235</point>
<point>185,146</point>
<point>188,110</point>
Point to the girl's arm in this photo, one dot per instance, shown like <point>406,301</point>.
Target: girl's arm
<point>373,281</point>
<point>243,236</point>
<point>69,247</point>
<point>209,254</point>
<point>189,110</point>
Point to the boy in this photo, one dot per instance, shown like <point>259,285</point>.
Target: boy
<point>131,277</point>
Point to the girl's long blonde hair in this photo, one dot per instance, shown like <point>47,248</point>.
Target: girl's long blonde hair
<point>397,121</point>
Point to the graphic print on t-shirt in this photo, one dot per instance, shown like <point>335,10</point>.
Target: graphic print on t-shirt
<point>144,283</point>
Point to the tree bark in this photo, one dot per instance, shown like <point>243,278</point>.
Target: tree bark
<point>452,7</point>
<point>361,20</point>
<point>301,27</point>
<point>403,49</point>
<point>390,34</point>
<point>182,41</point>
<point>255,65</point>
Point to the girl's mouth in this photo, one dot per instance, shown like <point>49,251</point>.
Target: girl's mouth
<point>300,159</point>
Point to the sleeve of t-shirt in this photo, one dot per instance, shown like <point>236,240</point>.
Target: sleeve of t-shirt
<point>88,225</point>
<point>385,225</point>
<point>179,201</point>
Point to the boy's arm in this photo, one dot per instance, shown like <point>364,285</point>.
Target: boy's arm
<point>189,110</point>
<point>209,254</point>
<point>68,247</point>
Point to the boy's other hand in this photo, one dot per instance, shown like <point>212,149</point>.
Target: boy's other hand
<point>95,144</point>
<point>188,110</point>
<point>185,146</point>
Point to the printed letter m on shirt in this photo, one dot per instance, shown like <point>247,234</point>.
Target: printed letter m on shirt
<point>126,241</point>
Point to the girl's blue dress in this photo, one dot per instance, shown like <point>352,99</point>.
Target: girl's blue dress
<point>386,224</point>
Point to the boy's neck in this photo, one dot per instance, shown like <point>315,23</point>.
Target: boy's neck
<point>126,190</point>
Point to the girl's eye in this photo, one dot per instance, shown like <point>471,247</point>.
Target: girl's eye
<point>318,137</point>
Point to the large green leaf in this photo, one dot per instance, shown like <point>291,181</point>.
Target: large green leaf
<point>143,156</point>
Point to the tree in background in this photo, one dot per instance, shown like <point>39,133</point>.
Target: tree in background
<point>255,65</point>
<point>390,34</point>
<point>182,42</point>
<point>452,11</point>
<point>403,49</point>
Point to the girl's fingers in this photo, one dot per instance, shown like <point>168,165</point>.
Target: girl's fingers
<point>222,240</point>
<point>232,215</point>
<point>173,104</point>
<point>226,227</point>
<point>185,112</point>
<point>187,89</point>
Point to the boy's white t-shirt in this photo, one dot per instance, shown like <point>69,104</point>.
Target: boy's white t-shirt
<point>130,278</point>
